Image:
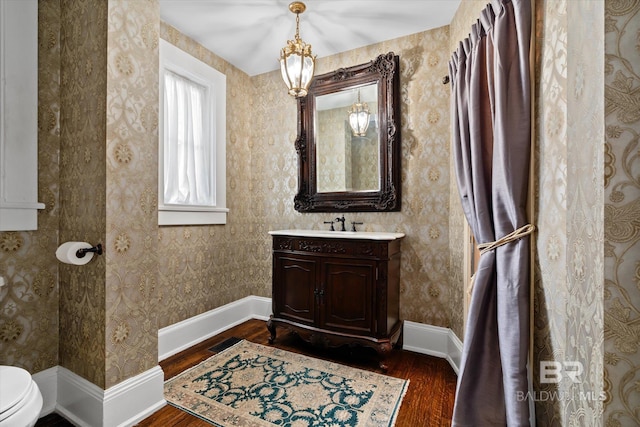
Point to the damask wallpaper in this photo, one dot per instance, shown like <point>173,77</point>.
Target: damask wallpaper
<point>87,318</point>
<point>98,124</point>
<point>108,144</point>
<point>353,165</point>
<point>365,159</point>
<point>622,213</point>
<point>131,256</point>
<point>425,170</point>
<point>204,267</point>
<point>261,196</point>
<point>333,154</point>
<point>108,181</point>
<point>348,161</point>
<point>83,185</point>
<point>568,204</point>
<point>568,302</point>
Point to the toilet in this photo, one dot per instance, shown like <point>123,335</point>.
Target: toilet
<point>20,398</point>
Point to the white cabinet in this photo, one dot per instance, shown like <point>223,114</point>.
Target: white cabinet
<point>19,115</point>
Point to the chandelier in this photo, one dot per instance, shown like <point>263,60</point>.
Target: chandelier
<point>296,60</point>
<point>359,117</point>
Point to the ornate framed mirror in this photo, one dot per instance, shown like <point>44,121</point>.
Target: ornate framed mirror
<point>348,141</point>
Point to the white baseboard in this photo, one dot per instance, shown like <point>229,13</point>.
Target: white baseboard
<point>455,351</point>
<point>182,335</point>
<point>434,341</point>
<point>87,405</point>
<point>134,399</point>
<point>47,381</point>
<point>418,337</point>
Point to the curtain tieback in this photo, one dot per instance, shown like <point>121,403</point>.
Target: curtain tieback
<point>525,230</point>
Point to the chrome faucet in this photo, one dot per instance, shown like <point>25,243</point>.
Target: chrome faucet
<point>342,221</point>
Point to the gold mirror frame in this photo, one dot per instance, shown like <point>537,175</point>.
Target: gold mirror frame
<point>385,71</point>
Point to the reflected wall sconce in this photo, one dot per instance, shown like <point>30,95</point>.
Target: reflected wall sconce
<point>359,117</point>
<point>297,63</point>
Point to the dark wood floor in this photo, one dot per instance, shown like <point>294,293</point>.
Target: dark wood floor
<point>428,401</point>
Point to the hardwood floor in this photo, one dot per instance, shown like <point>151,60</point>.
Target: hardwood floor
<point>428,401</point>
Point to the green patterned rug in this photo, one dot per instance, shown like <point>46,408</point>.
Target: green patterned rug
<point>254,385</point>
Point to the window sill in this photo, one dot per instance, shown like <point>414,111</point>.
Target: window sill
<point>19,216</point>
<point>179,215</point>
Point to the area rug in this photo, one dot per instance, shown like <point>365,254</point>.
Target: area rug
<point>250,384</point>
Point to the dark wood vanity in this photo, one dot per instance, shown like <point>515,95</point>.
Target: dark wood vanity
<point>337,288</point>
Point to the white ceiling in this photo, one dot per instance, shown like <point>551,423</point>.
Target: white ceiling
<point>250,33</point>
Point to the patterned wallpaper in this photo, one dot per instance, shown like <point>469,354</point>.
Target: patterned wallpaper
<point>131,256</point>
<point>107,190</point>
<point>348,162</point>
<point>83,185</point>
<point>108,159</point>
<point>130,292</point>
<point>585,214</point>
<point>425,169</point>
<point>97,156</point>
<point>204,267</point>
<point>111,303</point>
<point>261,196</point>
<point>622,213</point>
<point>365,158</point>
<point>568,311</point>
<point>424,216</point>
<point>551,287</point>
<point>568,302</point>
<point>332,151</point>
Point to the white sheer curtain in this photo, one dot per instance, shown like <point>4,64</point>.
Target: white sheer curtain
<point>187,153</point>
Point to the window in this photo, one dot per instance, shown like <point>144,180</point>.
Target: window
<point>192,184</point>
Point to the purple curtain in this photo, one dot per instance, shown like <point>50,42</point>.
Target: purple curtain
<point>491,128</point>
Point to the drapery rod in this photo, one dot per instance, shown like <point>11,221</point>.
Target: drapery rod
<point>445,80</point>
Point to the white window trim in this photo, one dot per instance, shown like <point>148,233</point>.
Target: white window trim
<point>178,61</point>
<point>19,116</point>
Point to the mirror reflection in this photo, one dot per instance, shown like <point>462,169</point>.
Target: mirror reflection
<point>347,140</point>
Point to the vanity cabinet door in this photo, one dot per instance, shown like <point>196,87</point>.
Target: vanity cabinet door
<point>295,290</point>
<point>348,296</point>
<point>337,291</point>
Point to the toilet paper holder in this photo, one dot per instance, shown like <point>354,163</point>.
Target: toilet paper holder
<point>97,249</point>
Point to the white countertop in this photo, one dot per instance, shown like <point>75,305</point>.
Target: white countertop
<point>367,235</point>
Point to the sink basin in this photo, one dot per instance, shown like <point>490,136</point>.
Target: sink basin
<point>367,235</point>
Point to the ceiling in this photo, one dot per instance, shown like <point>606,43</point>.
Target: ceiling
<point>250,33</point>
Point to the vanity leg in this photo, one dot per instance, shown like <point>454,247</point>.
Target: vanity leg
<point>272,330</point>
<point>383,352</point>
